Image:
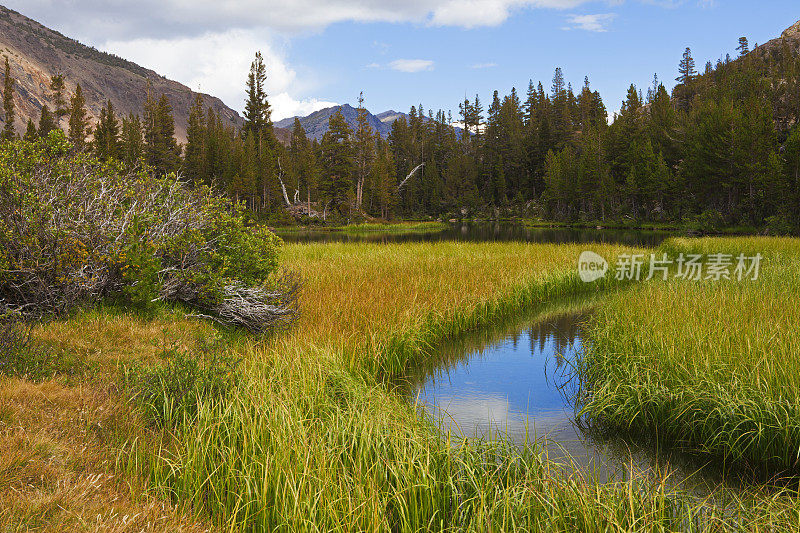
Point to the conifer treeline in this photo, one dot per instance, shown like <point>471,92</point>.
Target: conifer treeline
<point>723,147</point>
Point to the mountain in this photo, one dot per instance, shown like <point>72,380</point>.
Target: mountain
<point>35,53</point>
<point>316,124</point>
<point>790,37</point>
<point>387,117</point>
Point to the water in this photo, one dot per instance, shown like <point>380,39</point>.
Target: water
<point>519,383</point>
<point>484,232</point>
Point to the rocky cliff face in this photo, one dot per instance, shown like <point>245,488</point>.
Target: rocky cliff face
<point>35,53</point>
<point>790,38</point>
<point>792,32</point>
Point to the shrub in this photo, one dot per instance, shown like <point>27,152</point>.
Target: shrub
<point>74,229</point>
<point>709,221</point>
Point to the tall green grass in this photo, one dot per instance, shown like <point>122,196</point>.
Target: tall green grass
<point>313,438</point>
<point>711,366</point>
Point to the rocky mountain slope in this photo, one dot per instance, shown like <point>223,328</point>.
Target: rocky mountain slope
<point>316,124</point>
<point>790,37</point>
<point>35,53</point>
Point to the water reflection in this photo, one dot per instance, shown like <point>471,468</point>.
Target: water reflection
<point>519,383</point>
<point>485,232</point>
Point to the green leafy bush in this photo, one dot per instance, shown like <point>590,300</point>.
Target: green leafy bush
<point>74,229</point>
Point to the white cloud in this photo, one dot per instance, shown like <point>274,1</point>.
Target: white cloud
<point>208,44</point>
<point>483,65</point>
<point>597,23</point>
<point>411,65</point>
<point>284,106</point>
<point>475,13</point>
<point>95,20</point>
<point>218,63</point>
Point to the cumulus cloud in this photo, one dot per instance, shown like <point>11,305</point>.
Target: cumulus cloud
<point>217,63</point>
<point>411,65</point>
<point>96,19</point>
<point>597,23</point>
<point>208,44</point>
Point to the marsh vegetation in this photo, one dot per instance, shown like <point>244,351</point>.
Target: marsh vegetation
<point>310,428</point>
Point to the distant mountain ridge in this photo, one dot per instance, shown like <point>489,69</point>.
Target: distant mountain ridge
<point>36,52</point>
<point>316,124</point>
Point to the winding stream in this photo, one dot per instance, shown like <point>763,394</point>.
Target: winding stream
<point>519,384</point>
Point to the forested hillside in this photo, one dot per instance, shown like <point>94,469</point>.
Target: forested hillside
<point>37,53</point>
<point>723,149</point>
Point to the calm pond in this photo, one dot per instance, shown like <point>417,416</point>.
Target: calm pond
<point>483,232</point>
<point>518,383</point>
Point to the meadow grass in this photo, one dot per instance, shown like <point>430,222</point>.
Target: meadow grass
<point>314,437</point>
<point>713,366</point>
<point>382,307</point>
<point>59,434</point>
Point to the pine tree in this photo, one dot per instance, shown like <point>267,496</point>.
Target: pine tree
<point>476,116</point>
<point>383,176</point>
<point>59,100</point>
<point>684,92</point>
<point>195,142</point>
<point>257,111</point>
<point>131,143</point>
<point>47,122</point>
<point>78,120</point>
<point>30,132</point>
<point>161,150</point>
<point>8,103</point>
<point>106,134</point>
<point>744,47</point>
<point>560,118</point>
<point>364,149</point>
<point>337,158</point>
<point>686,70</point>
<point>303,162</point>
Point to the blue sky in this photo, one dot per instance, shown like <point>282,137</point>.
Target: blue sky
<point>402,54</point>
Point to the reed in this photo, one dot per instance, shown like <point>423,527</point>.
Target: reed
<point>712,366</point>
<point>314,440</point>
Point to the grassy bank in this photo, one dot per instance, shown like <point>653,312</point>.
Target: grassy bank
<point>311,435</point>
<point>712,366</point>
<point>313,439</point>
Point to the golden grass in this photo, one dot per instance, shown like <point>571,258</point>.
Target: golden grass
<point>56,469</point>
<point>354,294</point>
<point>313,441</point>
<point>106,337</point>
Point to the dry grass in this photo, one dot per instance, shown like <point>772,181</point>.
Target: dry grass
<point>56,469</point>
<point>107,336</point>
<point>59,437</point>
